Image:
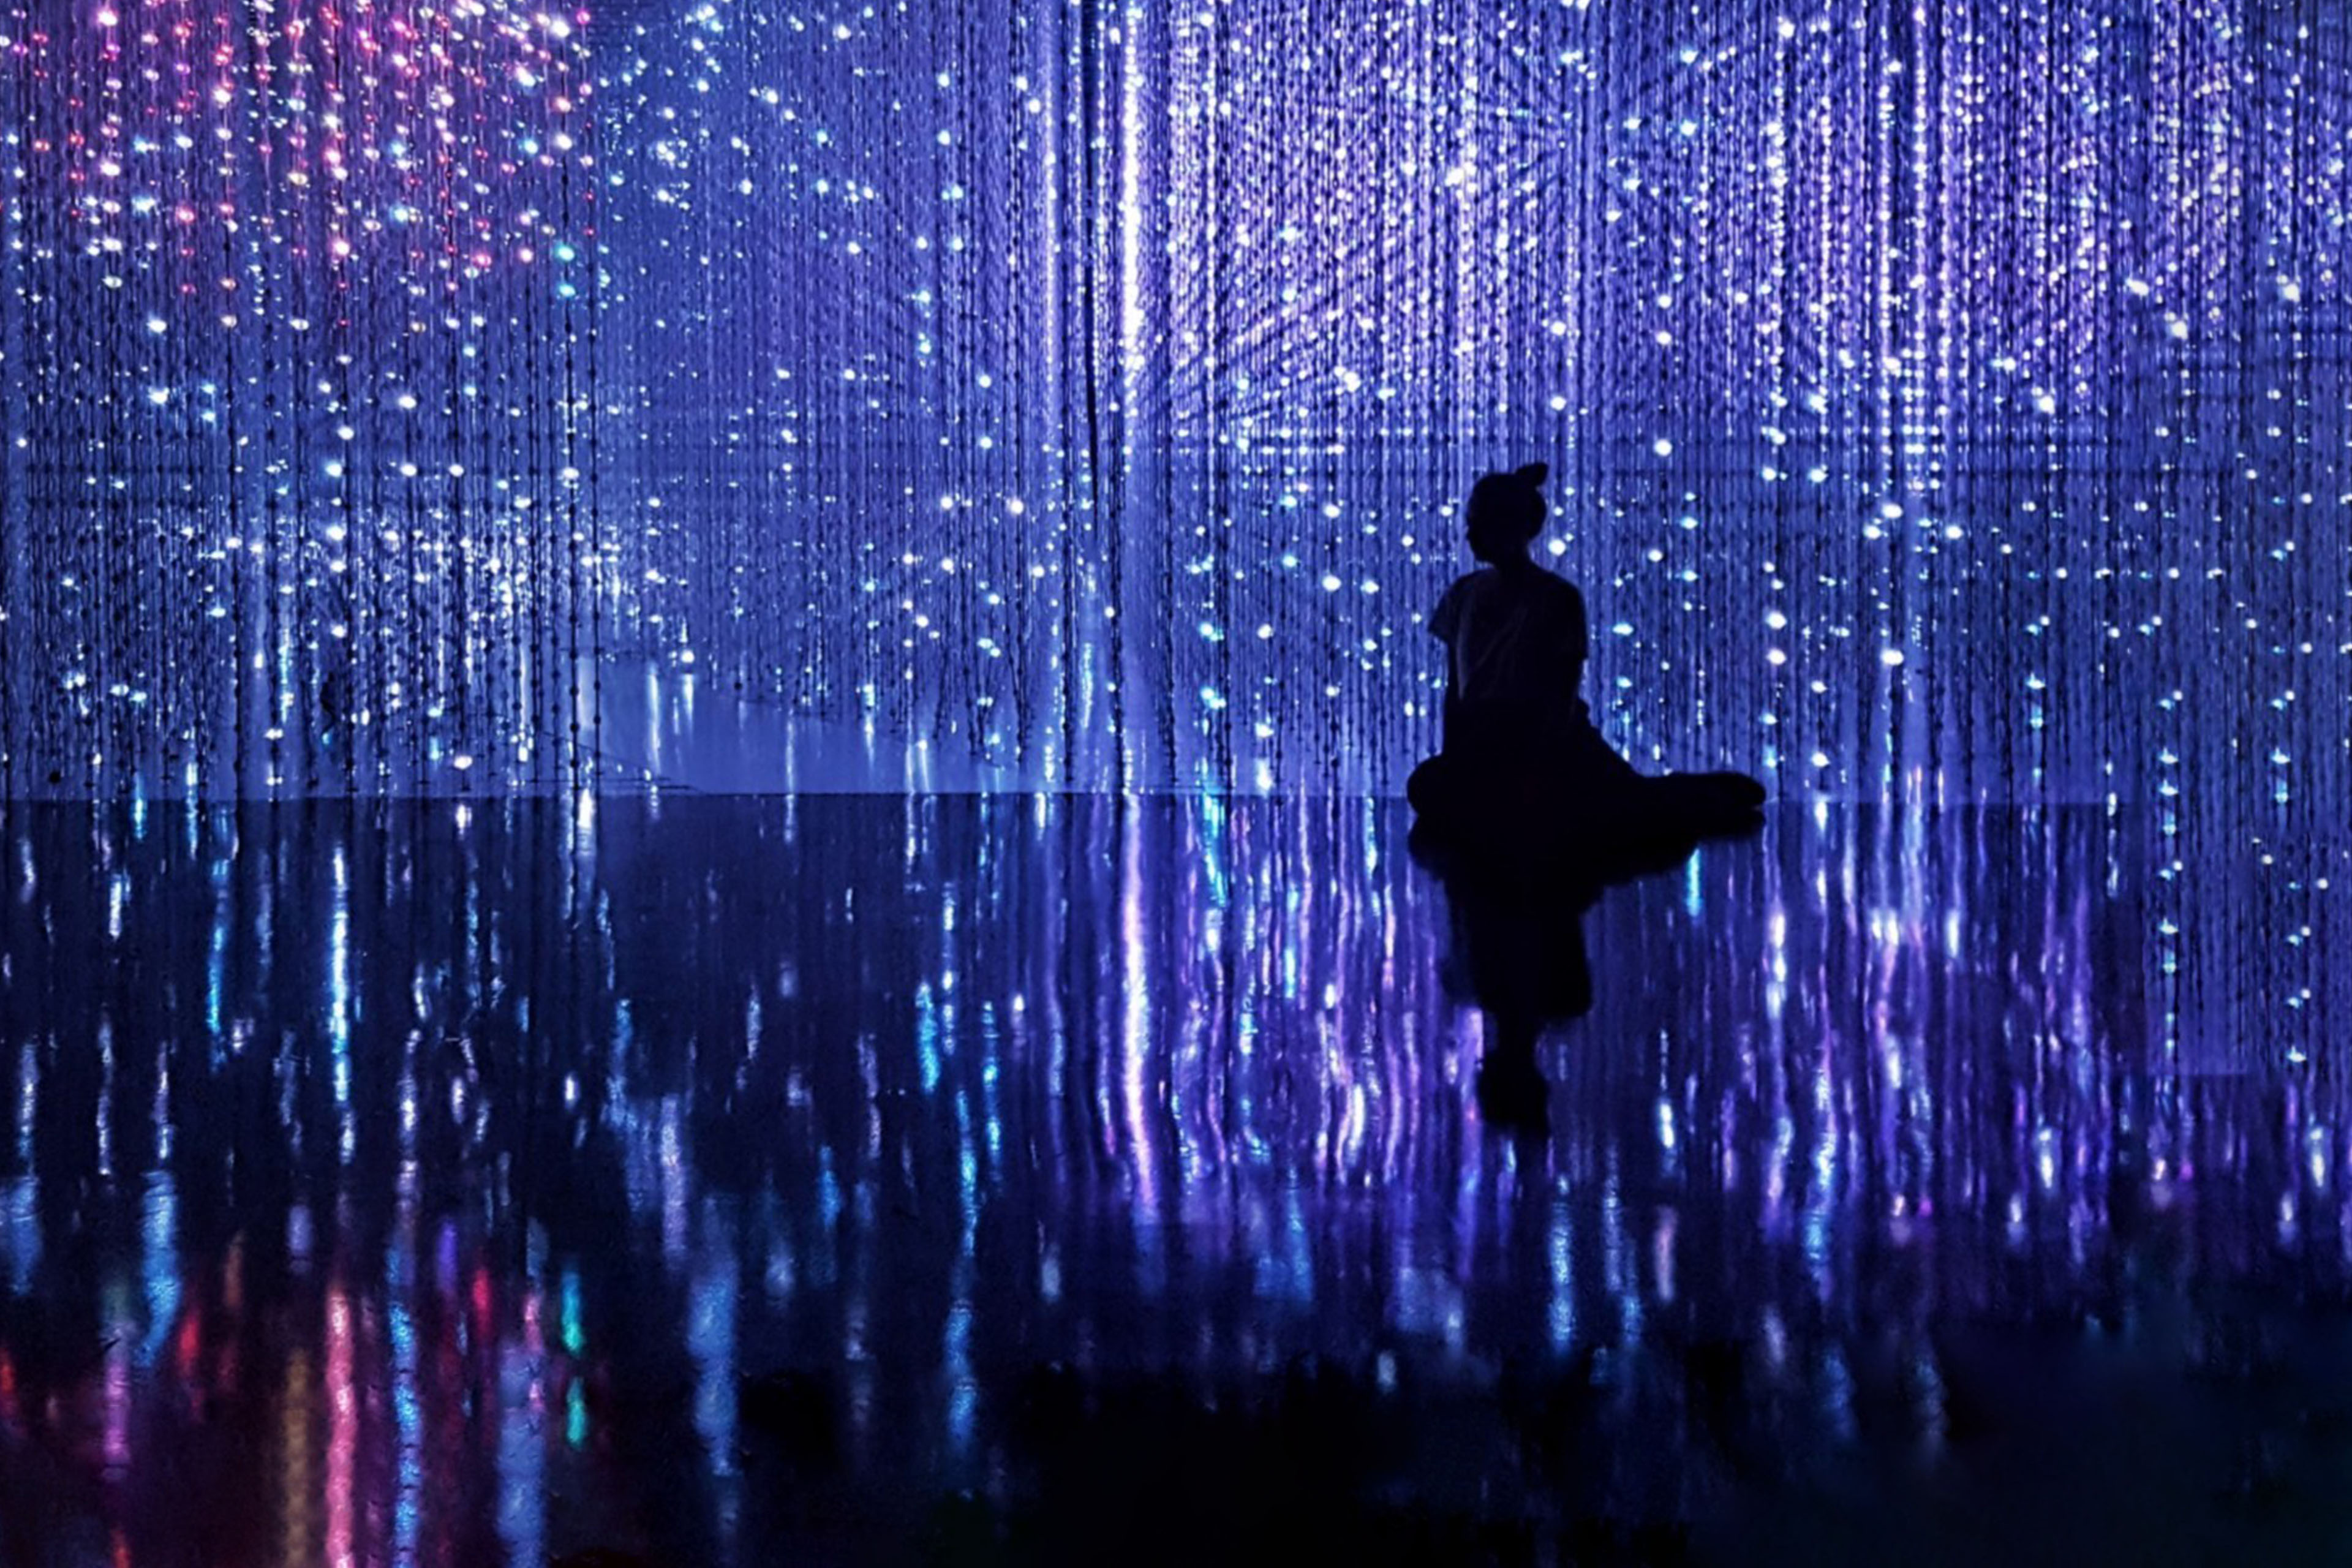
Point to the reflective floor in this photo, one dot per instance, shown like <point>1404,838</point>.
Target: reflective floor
<point>697,1180</point>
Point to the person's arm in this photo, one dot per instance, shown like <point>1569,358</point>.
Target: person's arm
<point>1575,640</point>
<point>1580,634</point>
<point>1446,618</point>
<point>1444,621</point>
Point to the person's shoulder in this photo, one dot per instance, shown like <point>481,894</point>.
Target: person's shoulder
<point>1464,587</point>
<point>1557,600</point>
<point>1446,614</point>
<point>1543,585</point>
<point>1559,590</point>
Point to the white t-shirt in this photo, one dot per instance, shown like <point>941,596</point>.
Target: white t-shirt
<point>1515,636</point>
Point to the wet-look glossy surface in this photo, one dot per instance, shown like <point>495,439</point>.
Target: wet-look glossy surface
<point>712,1180</point>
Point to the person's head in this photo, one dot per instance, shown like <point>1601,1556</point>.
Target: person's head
<point>1505,513</point>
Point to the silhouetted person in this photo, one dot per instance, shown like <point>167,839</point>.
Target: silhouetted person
<point>1523,768</point>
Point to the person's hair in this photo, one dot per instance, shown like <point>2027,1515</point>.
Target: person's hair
<point>1506,508</point>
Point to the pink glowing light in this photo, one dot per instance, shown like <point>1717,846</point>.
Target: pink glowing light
<point>342,1440</point>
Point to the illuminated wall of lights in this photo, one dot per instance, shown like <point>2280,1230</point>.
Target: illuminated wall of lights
<point>1946,401</point>
<point>297,377</point>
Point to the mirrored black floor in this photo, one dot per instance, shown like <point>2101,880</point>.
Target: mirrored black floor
<point>711,1181</point>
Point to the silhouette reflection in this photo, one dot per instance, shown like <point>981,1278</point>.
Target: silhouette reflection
<point>1515,951</point>
<point>705,1179</point>
<point>1516,946</point>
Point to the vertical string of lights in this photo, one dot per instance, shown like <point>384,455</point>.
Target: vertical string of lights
<point>13,351</point>
<point>1070,654</point>
<point>30,323</point>
<point>574,691</point>
<point>457,631</point>
<point>114,651</point>
<point>2166,284</point>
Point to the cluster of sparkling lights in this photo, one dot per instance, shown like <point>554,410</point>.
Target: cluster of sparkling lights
<point>297,373</point>
<point>1094,390</point>
<point>1932,391</point>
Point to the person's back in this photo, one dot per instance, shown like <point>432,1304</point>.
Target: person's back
<point>1514,633</point>
<point>1516,642</point>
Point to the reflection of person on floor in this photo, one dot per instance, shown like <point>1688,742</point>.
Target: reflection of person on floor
<point>1518,954</point>
<point>1519,741</point>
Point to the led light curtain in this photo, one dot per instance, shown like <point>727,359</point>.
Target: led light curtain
<point>1946,401</point>
<point>295,372</point>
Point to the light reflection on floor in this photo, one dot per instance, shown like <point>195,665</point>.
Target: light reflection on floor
<point>424,1182</point>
